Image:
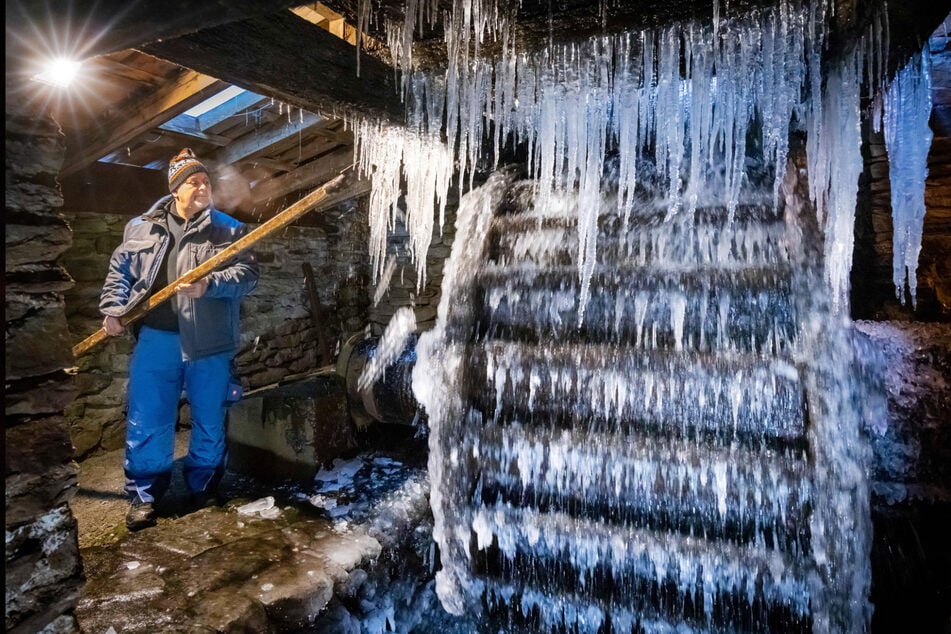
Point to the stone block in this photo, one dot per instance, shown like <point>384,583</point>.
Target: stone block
<point>114,395</point>
<point>37,445</point>
<point>31,243</point>
<point>44,395</point>
<point>40,344</point>
<point>89,268</point>
<point>85,436</point>
<point>28,495</point>
<point>295,428</point>
<point>43,570</point>
<point>113,435</point>
<point>28,157</point>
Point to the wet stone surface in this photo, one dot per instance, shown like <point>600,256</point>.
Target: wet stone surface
<point>349,552</point>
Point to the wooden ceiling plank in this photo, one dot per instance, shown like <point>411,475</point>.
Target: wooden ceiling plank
<point>125,71</point>
<point>95,27</point>
<point>320,169</point>
<point>265,138</point>
<point>292,60</point>
<point>307,151</point>
<point>137,116</point>
<point>269,163</point>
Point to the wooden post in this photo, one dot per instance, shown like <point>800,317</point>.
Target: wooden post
<point>275,224</point>
<point>316,315</point>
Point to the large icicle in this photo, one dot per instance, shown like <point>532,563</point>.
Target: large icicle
<point>392,155</point>
<point>907,109</point>
<point>834,150</point>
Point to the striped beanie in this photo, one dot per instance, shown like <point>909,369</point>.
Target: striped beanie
<point>183,165</point>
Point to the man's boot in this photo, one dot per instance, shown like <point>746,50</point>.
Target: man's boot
<point>141,515</point>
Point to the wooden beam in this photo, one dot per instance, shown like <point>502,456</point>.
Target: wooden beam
<point>291,60</point>
<point>267,208</point>
<point>328,19</point>
<point>108,65</point>
<point>136,116</point>
<point>319,145</point>
<point>271,164</point>
<point>265,138</point>
<point>314,172</point>
<point>190,129</point>
<point>85,28</point>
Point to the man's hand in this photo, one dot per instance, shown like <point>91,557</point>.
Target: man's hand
<point>195,290</point>
<point>113,326</point>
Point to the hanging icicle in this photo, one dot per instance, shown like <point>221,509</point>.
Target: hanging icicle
<point>907,109</point>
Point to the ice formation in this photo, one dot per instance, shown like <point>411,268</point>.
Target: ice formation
<point>834,151</point>
<point>674,107</point>
<point>907,109</point>
<point>392,343</point>
<point>648,284</point>
<point>688,368</point>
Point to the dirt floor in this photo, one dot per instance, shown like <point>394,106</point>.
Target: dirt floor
<point>100,504</point>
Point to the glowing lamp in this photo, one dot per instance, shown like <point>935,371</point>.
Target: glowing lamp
<point>59,72</point>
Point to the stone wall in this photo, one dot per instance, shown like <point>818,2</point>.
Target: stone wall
<point>279,338</point>
<point>43,570</point>
<point>911,476</point>
<point>401,289</point>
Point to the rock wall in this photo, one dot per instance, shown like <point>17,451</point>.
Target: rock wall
<point>873,295</point>
<point>911,477</point>
<point>43,569</point>
<point>402,289</point>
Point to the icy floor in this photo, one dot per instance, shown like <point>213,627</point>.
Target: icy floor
<point>388,496</point>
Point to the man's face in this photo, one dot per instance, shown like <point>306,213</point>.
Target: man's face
<point>193,195</point>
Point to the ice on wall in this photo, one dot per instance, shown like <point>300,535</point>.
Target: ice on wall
<point>906,111</point>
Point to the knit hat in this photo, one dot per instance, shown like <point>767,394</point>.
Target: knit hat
<point>183,165</point>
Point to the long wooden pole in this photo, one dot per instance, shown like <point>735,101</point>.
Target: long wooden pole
<point>275,224</point>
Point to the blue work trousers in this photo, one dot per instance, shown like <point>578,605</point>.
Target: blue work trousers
<point>157,374</point>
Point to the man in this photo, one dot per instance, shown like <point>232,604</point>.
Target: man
<point>188,341</point>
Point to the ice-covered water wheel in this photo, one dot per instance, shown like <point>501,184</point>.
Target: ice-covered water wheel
<point>654,461</point>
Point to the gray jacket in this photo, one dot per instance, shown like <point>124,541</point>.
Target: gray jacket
<point>208,325</point>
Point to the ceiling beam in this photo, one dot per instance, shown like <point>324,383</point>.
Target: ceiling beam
<point>292,60</point>
<point>86,28</point>
<point>181,128</point>
<point>318,170</point>
<point>137,116</point>
<point>268,163</point>
<point>262,210</point>
<point>268,136</point>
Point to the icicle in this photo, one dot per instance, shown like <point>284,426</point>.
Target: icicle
<point>834,154</point>
<point>384,284</point>
<point>907,109</point>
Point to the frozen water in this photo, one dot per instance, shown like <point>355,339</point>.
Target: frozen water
<point>661,438</point>
<point>673,106</point>
<point>907,109</point>
<point>258,506</point>
<point>648,302</point>
<point>391,346</point>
